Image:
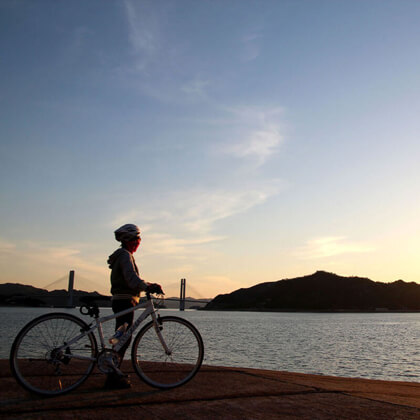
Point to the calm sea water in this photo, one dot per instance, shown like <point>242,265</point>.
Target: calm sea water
<point>374,345</point>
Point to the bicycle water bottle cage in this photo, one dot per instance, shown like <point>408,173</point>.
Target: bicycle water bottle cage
<point>92,311</point>
<point>90,307</point>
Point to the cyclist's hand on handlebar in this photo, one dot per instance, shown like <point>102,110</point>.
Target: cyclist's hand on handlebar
<point>154,288</point>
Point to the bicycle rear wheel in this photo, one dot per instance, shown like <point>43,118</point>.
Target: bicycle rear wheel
<point>167,369</point>
<point>43,363</point>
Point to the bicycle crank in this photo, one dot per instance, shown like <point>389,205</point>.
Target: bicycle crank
<point>108,361</point>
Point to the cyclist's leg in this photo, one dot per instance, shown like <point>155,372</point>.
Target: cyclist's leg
<point>114,381</point>
<point>119,305</point>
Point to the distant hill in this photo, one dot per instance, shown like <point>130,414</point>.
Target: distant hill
<point>15,294</point>
<point>322,291</point>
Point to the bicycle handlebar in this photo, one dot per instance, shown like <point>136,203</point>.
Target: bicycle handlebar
<point>154,288</point>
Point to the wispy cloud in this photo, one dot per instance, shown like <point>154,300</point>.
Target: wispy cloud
<point>158,243</point>
<point>331,246</point>
<point>258,136</point>
<point>193,214</point>
<point>259,145</point>
<point>6,248</point>
<point>158,66</point>
<point>196,88</point>
<point>144,32</point>
<point>64,255</point>
<point>205,208</point>
<point>49,260</point>
<point>250,46</point>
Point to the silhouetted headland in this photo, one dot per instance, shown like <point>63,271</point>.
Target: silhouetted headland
<point>322,291</point>
<point>15,294</point>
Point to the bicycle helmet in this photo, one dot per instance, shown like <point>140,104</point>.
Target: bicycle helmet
<point>127,232</point>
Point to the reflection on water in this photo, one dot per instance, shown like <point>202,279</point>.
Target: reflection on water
<point>377,345</point>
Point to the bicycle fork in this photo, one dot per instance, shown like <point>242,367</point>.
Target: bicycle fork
<point>158,324</point>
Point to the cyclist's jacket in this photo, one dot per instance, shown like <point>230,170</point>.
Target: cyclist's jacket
<point>125,280</point>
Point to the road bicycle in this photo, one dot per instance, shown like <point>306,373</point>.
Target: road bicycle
<point>55,353</point>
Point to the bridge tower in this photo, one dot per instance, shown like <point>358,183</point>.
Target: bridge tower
<point>182,295</point>
<point>70,303</point>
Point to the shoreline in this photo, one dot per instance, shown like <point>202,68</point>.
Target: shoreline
<point>306,311</point>
<point>313,311</point>
<point>221,393</point>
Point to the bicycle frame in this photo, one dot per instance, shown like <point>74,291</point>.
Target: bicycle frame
<point>63,349</point>
<point>149,310</point>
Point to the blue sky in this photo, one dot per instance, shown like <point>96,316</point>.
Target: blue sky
<point>250,140</point>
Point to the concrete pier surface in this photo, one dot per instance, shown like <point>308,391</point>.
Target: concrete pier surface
<point>220,393</point>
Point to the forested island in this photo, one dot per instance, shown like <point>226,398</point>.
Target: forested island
<point>15,294</point>
<point>322,291</point>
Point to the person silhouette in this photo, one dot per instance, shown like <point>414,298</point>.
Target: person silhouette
<point>126,286</point>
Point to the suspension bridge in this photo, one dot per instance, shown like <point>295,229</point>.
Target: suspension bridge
<point>69,281</point>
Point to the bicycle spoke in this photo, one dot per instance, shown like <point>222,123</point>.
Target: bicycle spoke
<point>37,361</point>
<point>162,370</point>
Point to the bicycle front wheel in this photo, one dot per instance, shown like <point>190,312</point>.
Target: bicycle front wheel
<point>43,362</point>
<point>174,365</point>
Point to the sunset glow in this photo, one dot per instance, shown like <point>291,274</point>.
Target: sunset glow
<point>250,141</point>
